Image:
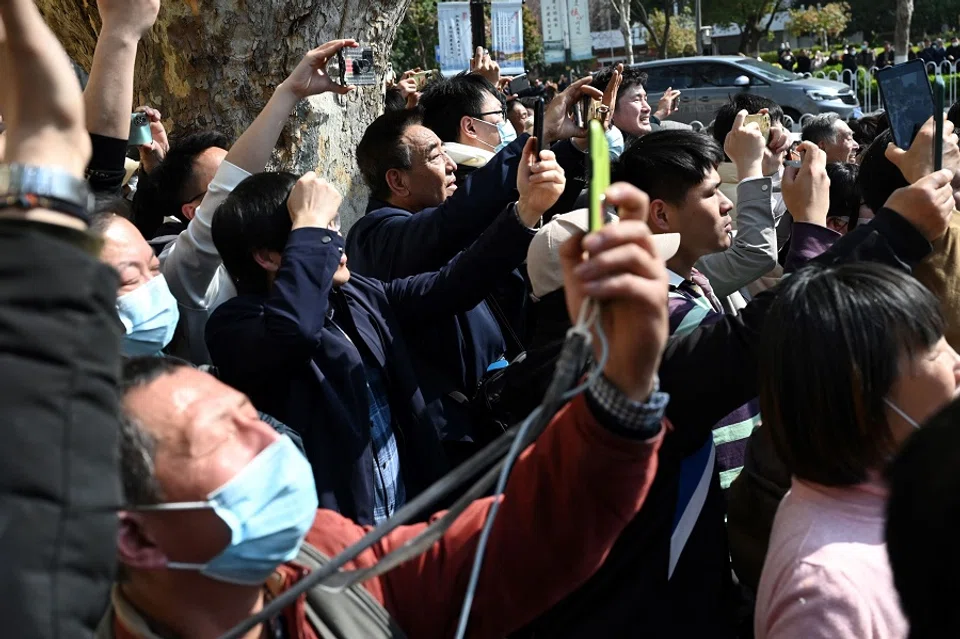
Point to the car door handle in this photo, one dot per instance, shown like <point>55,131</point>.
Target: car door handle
<point>704,99</point>
<point>686,99</point>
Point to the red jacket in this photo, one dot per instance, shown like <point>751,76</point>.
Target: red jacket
<point>569,497</point>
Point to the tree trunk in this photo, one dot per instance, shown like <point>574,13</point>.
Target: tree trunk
<point>665,49</point>
<point>627,37</point>
<point>216,69</point>
<point>901,36</point>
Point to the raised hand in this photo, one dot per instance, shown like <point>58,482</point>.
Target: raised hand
<point>609,99</point>
<point>129,18</point>
<point>928,204</point>
<point>314,203</point>
<point>540,183</point>
<point>665,107</point>
<point>482,64</point>
<point>744,146</point>
<point>152,153</point>
<point>311,77</point>
<point>917,162</point>
<point>806,191</point>
<point>624,272</point>
<point>558,123</point>
<point>777,148</point>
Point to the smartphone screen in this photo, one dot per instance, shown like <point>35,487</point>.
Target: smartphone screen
<point>599,174</point>
<point>538,124</point>
<point>908,99</point>
<point>518,84</point>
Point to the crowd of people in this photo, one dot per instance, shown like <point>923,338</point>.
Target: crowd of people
<point>208,402</point>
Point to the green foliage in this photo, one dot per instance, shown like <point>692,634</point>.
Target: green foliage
<point>417,38</point>
<point>681,38</point>
<point>830,18</point>
<point>532,40</point>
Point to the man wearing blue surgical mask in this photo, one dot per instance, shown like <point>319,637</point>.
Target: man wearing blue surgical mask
<point>145,306</point>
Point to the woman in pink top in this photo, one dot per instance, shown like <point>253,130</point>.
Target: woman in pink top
<point>853,359</point>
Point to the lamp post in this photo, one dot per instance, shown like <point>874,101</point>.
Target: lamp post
<point>698,20</point>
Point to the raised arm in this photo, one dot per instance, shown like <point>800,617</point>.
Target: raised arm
<point>190,264</point>
<point>467,279</point>
<point>108,98</point>
<point>59,341</point>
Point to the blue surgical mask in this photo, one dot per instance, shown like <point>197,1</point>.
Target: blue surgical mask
<point>899,411</point>
<point>269,507</point>
<point>149,316</point>
<point>506,131</point>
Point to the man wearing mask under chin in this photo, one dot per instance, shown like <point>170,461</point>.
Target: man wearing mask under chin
<point>146,307</point>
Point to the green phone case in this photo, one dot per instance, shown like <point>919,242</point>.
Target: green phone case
<point>938,103</point>
<point>599,173</point>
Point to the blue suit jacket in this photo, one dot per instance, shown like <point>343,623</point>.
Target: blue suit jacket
<point>290,352</point>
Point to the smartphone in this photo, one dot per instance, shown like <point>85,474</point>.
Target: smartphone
<point>538,124</point>
<point>908,99</point>
<point>421,78</point>
<point>938,98</point>
<point>139,130</point>
<point>356,66</point>
<point>518,84</point>
<point>763,120</point>
<point>599,175</point>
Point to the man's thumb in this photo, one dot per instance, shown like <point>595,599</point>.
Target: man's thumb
<point>894,153</point>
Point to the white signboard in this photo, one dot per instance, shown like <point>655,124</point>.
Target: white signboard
<point>453,20</point>
<point>506,30</point>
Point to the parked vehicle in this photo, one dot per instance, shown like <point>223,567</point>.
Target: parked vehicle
<point>706,83</point>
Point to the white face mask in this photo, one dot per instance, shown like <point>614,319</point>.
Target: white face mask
<point>899,411</point>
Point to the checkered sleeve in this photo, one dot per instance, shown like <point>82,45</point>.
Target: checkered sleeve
<point>627,418</point>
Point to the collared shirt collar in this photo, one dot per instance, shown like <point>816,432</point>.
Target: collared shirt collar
<point>467,155</point>
<point>675,280</point>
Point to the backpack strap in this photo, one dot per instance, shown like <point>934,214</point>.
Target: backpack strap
<point>351,614</point>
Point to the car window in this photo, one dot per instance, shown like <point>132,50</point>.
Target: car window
<point>660,78</point>
<point>768,71</point>
<point>717,75</point>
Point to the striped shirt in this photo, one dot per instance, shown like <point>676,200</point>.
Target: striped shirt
<point>692,304</point>
<point>389,492</point>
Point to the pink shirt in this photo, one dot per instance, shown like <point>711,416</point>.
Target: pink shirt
<point>826,573</point>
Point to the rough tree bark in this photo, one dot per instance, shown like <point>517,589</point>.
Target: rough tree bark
<point>901,36</point>
<point>215,68</point>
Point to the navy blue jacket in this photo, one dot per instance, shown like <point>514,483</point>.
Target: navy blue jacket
<point>286,350</point>
<point>450,353</point>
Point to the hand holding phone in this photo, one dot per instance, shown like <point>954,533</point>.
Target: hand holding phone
<point>908,99</point>
<point>599,174</point>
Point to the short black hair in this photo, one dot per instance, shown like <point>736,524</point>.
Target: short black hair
<point>253,217</point>
<point>163,191</point>
<point>753,103</point>
<point>866,129</point>
<point>106,208</point>
<point>138,447</point>
<point>831,349</point>
<point>667,164</point>
<point>821,128</point>
<point>382,148</point>
<point>393,100</point>
<point>445,101</point>
<point>632,77</point>
<point>845,195</point>
<point>923,515</point>
<point>879,177</point>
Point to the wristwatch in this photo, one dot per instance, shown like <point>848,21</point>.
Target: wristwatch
<point>27,187</point>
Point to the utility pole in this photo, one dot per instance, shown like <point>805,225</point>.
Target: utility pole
<point>698,26</point>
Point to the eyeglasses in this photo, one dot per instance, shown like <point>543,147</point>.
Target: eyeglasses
<point>502,112</point>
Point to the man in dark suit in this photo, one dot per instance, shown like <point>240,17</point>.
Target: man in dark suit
<point>326,350</point>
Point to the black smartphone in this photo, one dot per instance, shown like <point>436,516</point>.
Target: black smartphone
<point>938,98</point>
<point>908,99</point>
<point>518,84</point>
<point>538,124</point>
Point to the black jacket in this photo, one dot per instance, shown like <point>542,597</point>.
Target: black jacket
<point>59,476</point>
<point>290,352</point>
<point>630,594</point>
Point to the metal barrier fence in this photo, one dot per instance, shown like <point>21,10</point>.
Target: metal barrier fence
<point>864,86</point>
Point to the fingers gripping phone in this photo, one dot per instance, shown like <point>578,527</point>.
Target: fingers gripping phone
<point>599,175</point>
<point>538,124</point>
<point>908,98</point>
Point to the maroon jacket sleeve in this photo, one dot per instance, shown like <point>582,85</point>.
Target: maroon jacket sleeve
<point>568,499</point>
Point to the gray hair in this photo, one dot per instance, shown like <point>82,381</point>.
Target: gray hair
<point>822,128</point>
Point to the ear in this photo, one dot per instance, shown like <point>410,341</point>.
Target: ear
<point>189,211</point>
<point>397,181</point>
<point>268,260</point>
<point>659,220</point>
<point>468,128</point>
<point>135,545</point>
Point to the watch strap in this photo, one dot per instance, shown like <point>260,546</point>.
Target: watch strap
<point>27,187</point>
